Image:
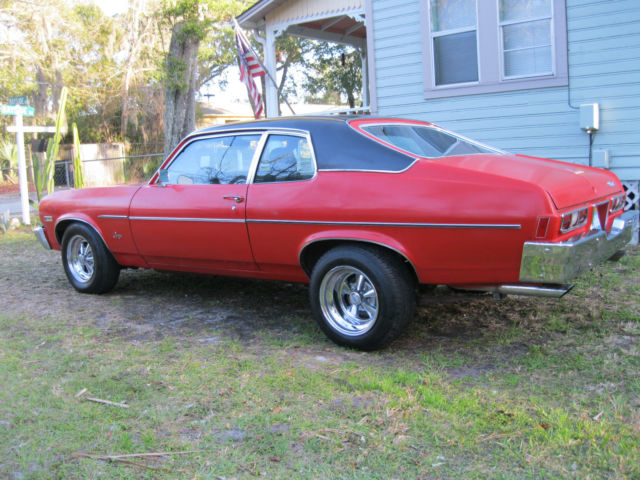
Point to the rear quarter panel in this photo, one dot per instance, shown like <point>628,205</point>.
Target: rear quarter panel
<point>454,226</point>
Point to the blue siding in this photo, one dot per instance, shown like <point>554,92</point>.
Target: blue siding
<point>604,68</point>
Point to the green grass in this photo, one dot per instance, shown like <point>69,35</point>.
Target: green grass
<point>522,388</point>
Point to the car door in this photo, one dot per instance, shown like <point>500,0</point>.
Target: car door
<point>195,219</point>
<point>283,202</point>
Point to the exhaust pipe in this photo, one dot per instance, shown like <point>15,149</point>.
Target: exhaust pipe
<point>550,292</point>
<point>499,291</point>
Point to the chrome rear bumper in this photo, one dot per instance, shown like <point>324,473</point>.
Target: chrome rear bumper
<point>40,235</point>
<point>560,262</point>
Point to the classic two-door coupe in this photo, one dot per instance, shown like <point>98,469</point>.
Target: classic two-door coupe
<point>364,209</point>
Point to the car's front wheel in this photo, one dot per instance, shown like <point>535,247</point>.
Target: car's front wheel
<point>361,296</point>
<point>88,263</point>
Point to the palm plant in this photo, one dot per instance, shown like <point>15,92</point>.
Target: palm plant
<point>8,161</point>
<point>78,174</point>
<point>44,173</point>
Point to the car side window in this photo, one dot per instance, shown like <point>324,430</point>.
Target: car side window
<point>218,160</point>
<point>285,158</point>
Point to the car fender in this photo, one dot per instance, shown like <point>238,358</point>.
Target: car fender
<point>76,217</point>
<point>361,236</point>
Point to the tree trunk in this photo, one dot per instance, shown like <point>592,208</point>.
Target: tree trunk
<point>351,99</point>
<point>40,98</point>
<point>124,114</point>
<point>285,70</point>
<point>135,40</point>
<point>56,90</point>
<point>182,72</point>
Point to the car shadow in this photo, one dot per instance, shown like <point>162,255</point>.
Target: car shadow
<point>210,309</point>
<point>237,308</point>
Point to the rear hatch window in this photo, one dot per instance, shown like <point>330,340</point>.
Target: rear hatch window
<point>426,141</point>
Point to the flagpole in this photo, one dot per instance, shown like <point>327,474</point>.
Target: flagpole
<point>263,67</point>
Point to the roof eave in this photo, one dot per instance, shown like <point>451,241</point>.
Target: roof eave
<point>253,16</point>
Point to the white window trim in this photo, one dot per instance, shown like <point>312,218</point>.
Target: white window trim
<point>444,33</point>
<point>491,56</point>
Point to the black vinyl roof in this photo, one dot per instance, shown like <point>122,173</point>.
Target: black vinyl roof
<point>337,145</point>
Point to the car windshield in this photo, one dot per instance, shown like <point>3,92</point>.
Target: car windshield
<point>426,141</point>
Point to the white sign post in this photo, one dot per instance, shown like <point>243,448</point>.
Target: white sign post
<point>22,172</point>
<point>20,129</point>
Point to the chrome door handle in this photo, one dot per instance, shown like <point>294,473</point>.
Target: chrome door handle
<point>236,198</point>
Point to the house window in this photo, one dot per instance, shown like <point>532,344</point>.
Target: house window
<point>455,47</point>
<point>527,45</point>
<point>484,46</point>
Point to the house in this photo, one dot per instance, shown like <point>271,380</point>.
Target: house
<point>222,113</point>
<point>521,75</point>
<point>214,114</point>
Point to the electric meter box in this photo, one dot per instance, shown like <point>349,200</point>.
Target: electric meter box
<point>589,117</point>
<point>601,159</point>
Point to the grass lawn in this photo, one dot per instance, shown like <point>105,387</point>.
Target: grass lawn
<point>230,378</point>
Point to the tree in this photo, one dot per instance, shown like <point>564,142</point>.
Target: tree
<point>59,43</point>
<point>291,52</point>
<point>335,68</point>
<point>117,69</point>
<point>109,64</point>
<point>138,23</point>
<point>191,22</point>
<point>180,103</point>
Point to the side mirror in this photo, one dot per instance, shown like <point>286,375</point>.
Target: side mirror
<point>163,176</point>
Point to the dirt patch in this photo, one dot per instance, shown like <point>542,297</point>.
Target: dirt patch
<point>263,315</point>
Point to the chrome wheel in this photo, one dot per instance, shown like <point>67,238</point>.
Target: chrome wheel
<point>80,259</point>
<point>349,300</point>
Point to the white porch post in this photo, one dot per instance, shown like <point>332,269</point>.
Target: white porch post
<point>271,95</point>
<point>365,77</point>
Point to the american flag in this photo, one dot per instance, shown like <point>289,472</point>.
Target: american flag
<point>250,67</point>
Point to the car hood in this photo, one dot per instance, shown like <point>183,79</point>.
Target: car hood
<point>568,184</point>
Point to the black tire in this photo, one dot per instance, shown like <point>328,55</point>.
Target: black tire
<point>343,305</point>
<point>89,265</point>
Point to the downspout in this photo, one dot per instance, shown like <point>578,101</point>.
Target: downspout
<point>566,29</point>
<point>591,133</point>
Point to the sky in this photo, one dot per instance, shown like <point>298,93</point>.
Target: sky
<point>111,7</point>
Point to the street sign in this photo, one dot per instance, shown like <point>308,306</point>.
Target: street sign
<point>18,100</point>
<point>30,129</point>
<point>17,109</point>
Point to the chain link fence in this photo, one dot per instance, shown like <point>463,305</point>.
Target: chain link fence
<point>108,164</point>
<point>115,168</point>
<point>125,170</point>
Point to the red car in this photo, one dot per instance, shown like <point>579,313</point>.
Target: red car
<point>363,209</point>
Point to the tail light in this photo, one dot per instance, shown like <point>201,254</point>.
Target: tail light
<point>574,219</point>
<point>543,227</point>
<point>617,203</point>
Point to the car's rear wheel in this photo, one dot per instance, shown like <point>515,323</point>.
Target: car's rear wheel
<point>361,296</point>
<point>88,263</point>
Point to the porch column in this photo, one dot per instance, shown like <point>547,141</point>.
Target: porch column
<point>271,95</point>
<point>365,77</point>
